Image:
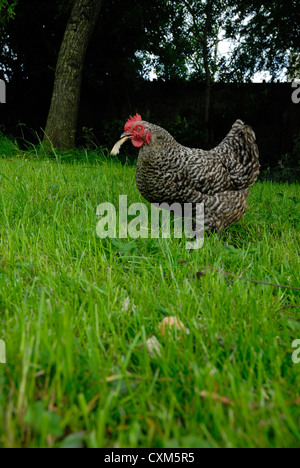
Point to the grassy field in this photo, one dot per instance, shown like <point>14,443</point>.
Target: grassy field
<point>76,313</point>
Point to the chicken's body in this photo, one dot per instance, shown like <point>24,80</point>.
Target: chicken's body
<point>168,172</point>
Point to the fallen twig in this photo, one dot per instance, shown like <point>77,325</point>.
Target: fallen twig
<point>288,307</point>
<point>241,278</point>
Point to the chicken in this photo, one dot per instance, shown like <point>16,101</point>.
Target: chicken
<point>168,172</point>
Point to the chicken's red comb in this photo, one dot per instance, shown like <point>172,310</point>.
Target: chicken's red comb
<point>131,122</point>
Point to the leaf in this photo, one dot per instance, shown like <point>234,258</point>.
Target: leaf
<point>73,441</point>
<point>42,420</point>
<point>232,249</point>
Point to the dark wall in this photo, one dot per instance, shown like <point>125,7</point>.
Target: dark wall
<point>178,106</point>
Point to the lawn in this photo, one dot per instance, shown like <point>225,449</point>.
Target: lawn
<point>77,311</point>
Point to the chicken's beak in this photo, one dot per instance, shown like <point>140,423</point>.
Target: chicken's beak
<point>116,149</point>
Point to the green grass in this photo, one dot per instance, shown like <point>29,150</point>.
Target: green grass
<point>78,372</point>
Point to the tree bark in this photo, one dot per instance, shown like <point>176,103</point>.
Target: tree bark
<point>208,79</point>
<point>62,119</point>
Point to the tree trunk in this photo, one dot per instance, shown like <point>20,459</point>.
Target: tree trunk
<point>62,119</point>
<point>207,106</point>
<point>208,78</point>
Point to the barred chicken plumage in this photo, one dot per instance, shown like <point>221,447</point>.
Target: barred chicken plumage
<point>168,172</point>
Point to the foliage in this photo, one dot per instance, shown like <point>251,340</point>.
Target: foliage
<point>149,34</point>
<point>263,36</point>
<point>288,166</point>
<point>162,35</point>
<point>267,35</point>
<point>30,45</point>
<point>190,37</point>
<point>7,9</point>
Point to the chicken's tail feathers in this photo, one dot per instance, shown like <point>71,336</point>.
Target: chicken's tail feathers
<point>239,152</point>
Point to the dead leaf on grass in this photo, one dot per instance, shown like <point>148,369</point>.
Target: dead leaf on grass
<point>216,397</point>
<point>170,324</point>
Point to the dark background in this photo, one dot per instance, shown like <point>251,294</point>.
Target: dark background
<point>177,106</point>
<point>113,88</point>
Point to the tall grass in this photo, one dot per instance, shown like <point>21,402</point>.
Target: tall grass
<point>76,313</point>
